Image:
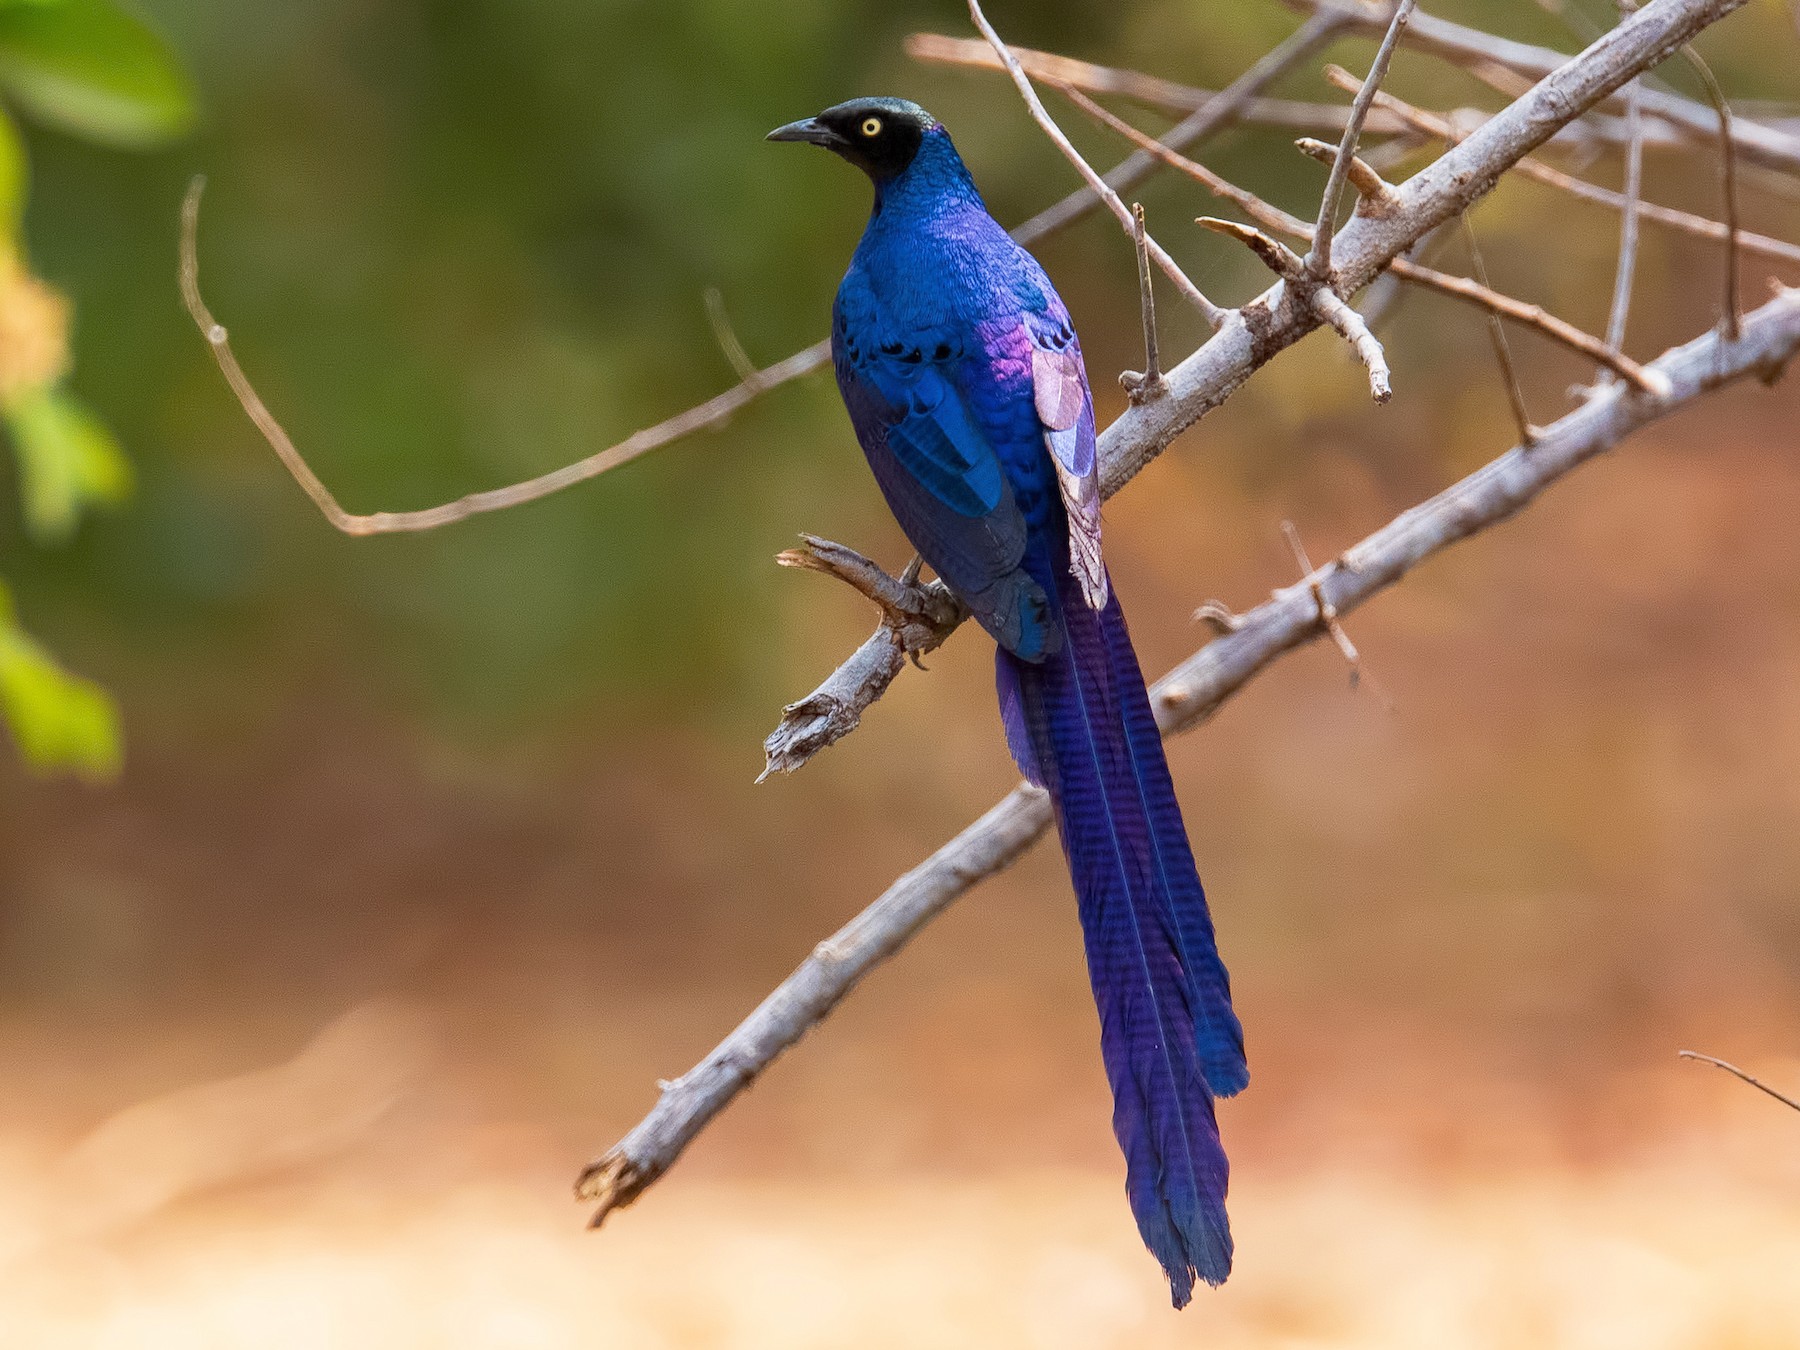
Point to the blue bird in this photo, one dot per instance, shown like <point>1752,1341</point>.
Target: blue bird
<point>964,381</point>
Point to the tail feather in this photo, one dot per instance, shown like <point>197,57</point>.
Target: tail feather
<point>1080,722</point>
<point>1218,1033</point>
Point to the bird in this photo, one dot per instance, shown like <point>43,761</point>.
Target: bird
<point>963,377</point>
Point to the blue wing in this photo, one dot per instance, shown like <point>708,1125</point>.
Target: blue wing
<point>944,481</point>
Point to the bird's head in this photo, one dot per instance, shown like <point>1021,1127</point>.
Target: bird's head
<point>878,135</point>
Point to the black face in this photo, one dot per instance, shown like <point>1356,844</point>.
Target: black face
<point>878,135</point>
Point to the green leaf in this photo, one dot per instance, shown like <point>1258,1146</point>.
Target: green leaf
<point>14,174</point>
<point>67,461</point>
<point>94,69</point>
<point>60,721</point>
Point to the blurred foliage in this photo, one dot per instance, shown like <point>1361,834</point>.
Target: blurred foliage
<point>97,71</point>
<point>61,721</point>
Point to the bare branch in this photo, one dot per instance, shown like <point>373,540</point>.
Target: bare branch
<point>1733,1069</point>
<point>711,413</point>
<point>1148,383</point>
<point>1366,246</point>
<point>1318,261</point>
<point>1733,315</point>
<point>1096,184</point>
<point>1476,51</point>
<point>1628,226</point>
<point>1182,699</point>
<point>1350,326</point>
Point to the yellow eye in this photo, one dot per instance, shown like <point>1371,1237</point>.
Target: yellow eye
<point>871,126</point>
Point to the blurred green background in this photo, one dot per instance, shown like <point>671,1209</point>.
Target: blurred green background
<point>490,788</point>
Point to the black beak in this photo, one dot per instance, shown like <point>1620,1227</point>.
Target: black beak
<point>810,130</point>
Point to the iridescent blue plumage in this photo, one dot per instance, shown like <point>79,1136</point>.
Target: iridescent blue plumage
<point>963,378</point>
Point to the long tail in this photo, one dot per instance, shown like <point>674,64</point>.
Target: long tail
<point>1080,724</point>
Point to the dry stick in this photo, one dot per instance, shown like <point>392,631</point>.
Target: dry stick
<point>1318,260</point>
<point>1446,130</point>
<point>1733,1069</point>
<point>714,412</point>
<point>1148,383</point>
<point>1509,373</point>
<point>1183,698</point>
<point>1628,220</point>
<point>1535,316</point>
<point>1279,317</point>
<point>726,336</point>
<point>1374,192</point>
<point>1213,315</point>
<point>1733,316</point>
<point>1249,202</point>
<point>1475,50</point>
<point>1328,615</point>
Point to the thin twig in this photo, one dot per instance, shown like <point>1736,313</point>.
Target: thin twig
<point>1213,315</point>
<point>1198,126</point>
<point>1733,318</point>
<point>711,413</point>
<point>1733,1069</point>
<point>1275,255</point>
<point>726,336</point>
<point>1328,615</point>
<point>1219,185</point>
<point>1147,383</point>
<point>1352,327</point>
<point>1509,373</point>
<point>1534,316</point>
<point>1626,273</point>
<point>1182,699</point>
<point>1318,261</point>
<point>1375,194</point>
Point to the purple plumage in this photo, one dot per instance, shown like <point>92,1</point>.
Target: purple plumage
<point>963,378</point>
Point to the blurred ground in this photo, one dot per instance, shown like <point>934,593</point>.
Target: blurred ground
<point>366,1002</point>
